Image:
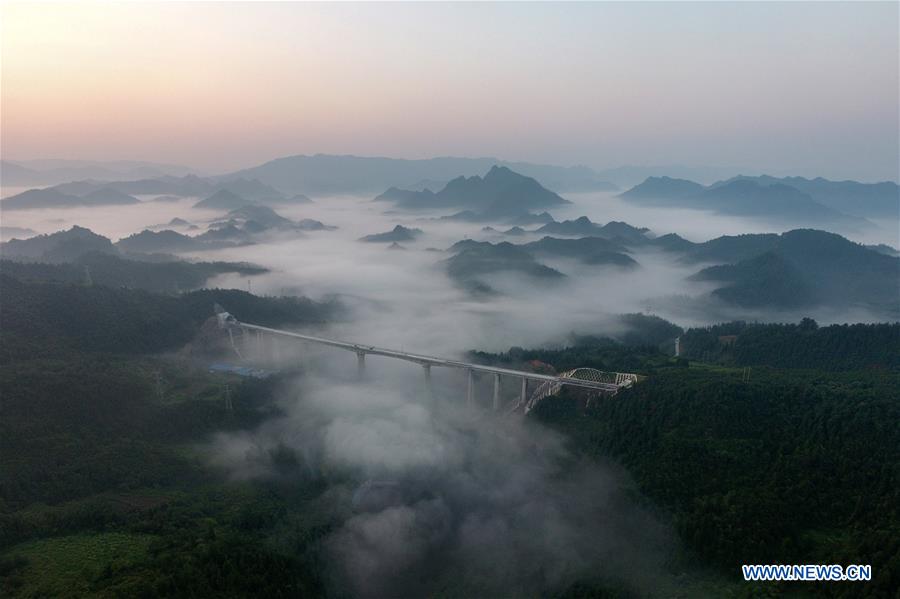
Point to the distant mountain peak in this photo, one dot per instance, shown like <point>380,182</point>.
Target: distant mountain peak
<point>397,234</point>
<point>497,171</point>
<point>502,194</point>
<point>61,246</point>
<point>223,199</point>
<point>662,188</point>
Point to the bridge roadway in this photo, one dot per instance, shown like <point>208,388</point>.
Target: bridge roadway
<point>427,362</point>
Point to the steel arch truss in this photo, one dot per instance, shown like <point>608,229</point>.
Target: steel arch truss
<point>606,383</point>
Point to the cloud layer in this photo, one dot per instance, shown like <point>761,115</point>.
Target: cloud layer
<point>441,497</point>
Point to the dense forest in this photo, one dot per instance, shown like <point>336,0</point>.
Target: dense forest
<point>806,268</point>
<point>105,490</point>
<point>103,493</point>
<point>49,318</point>
<point>96,268</point>
<point>802,345</point>
<point>790,467</point>
<point>796,460</point>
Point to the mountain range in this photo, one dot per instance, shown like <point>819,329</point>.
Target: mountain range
<point>870,200</point>
<point>473,263</point>
<point>588,250</point>
<point>322,173</point>
<point>256,218</point>
<point>173,242</point>
<point>61,246</point>
<point>21,173</point>
<point>500,194</point>
<point>222,195</point>
<point>630,175</point>
<point>241,226</point>
<point>329,174</point>
<point>793,199</point>
<point>804,268</point>
<point>584,227</point>
<point>816,201</point>
<point>53,198</point>
<point>115,271</point>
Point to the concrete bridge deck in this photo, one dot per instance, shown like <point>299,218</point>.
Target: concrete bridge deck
<point>427,362</point>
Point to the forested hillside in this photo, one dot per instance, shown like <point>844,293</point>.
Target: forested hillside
<point>790,467</point>
<point>795,461</point>
<point>44,319</point>
<point>169,276</point>
<point>104,492</point>
<point>806,267</point>
<point>803,345</point>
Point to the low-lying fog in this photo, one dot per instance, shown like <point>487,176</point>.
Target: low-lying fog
<point>498,505</point>
<point>403,298</point>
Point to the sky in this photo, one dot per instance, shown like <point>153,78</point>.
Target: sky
<point>804,88</point>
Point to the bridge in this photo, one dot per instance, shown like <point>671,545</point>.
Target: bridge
<point>607,383</point>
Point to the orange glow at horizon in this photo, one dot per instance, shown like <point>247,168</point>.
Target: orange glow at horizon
<point>222,85</point>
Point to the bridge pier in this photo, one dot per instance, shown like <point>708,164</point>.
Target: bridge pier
<point>360,364</point>
<point>274,353</point>
<point>231,341</point>
<point>524,393</point>
<point>427,370</point>
<point>245,342</point>
<point>496,402</point>
<point>470,386</point>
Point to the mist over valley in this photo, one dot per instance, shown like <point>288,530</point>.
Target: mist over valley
<point>463,300</point>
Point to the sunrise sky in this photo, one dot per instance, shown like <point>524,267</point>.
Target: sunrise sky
<point>807,88</point>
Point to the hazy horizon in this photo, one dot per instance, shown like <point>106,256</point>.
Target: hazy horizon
<point>710,172</point>
<point>808,89</point>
